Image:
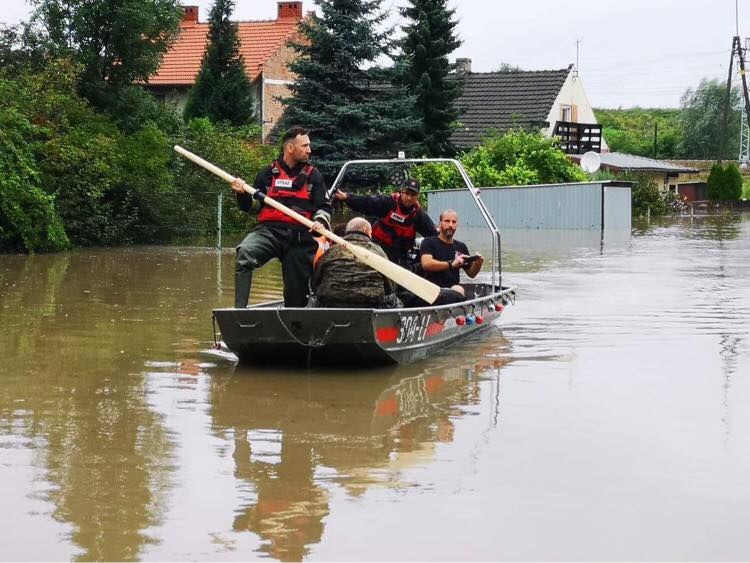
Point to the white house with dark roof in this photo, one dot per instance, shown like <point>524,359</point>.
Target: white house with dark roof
<point>551,101</point>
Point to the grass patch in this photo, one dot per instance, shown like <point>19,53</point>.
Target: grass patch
<point>745,188</point>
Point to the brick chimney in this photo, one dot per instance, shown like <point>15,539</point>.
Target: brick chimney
<point>463,66</point>
<point>190,14</point>
<point>290,10</point>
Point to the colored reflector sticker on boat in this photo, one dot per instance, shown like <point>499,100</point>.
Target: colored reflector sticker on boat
<point>434,328</point>
<point>387,334</point>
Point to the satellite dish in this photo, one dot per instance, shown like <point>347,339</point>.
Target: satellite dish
<point>591,161</point>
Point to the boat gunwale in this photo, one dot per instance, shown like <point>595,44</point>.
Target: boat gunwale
<point>272,305</point>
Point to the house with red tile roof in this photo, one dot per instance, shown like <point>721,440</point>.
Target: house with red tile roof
<point>263,45</point>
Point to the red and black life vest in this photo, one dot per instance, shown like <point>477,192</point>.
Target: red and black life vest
<point>292,191</point>
<point>397,228</point>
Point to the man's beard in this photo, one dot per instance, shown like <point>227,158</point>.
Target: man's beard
<point>449,233</point>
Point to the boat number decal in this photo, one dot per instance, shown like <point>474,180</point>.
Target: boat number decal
<point>415,328</point>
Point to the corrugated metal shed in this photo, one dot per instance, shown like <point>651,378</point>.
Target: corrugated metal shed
<point>589,205</point>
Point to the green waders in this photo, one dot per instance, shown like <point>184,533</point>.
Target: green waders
<point>294,248</point>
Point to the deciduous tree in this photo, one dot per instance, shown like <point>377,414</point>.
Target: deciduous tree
<point>117,43</point>
<point>702,121</point>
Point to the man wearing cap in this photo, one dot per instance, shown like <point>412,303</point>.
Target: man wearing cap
<point>399,219</point>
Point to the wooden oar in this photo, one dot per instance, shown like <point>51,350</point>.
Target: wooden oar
<point>403,277</point>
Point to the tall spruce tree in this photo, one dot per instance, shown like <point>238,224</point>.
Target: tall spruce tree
<point>340,95</point>
<point>423,68</point>
<point>222,90</point>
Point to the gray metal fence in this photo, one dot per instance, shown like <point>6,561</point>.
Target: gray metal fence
<point>589,205</point>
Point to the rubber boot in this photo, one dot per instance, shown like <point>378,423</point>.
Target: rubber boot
<point>242,283</point>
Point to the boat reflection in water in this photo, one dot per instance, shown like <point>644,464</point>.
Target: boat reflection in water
<point>298,436</point>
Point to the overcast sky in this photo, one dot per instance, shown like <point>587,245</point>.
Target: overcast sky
<point>632,52</point>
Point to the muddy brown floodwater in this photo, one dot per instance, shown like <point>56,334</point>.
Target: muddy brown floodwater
<point>604,417</point>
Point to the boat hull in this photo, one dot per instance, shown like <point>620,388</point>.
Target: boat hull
<point>270,334</point>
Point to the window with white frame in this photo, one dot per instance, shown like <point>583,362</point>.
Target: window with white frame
<point>566,113</point>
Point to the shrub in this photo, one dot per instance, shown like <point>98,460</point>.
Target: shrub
<point>235,150</point>
<point>646,196</point>
<point>28,220</point>
<point>516,158</point>
<point>724,183</point>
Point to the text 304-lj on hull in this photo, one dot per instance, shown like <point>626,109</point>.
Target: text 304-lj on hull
<point>270,333</point>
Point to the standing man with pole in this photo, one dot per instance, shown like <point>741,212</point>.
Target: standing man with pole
<point>294,182</point>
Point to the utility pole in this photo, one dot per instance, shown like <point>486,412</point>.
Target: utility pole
<point>725,118</point>
<point>744,156</point>
<point>656,137</point>
<point>745,125</point>
<point>741,57</point>
<point>739,52</point>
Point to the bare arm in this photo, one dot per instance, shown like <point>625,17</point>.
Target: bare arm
<point>475,267</point>
<point>429,264</point>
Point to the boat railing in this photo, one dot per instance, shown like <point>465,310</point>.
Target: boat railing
<point>496,258</point>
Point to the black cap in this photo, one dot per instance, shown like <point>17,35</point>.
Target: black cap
<point>412,185</point>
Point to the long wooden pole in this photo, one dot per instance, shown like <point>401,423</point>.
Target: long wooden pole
<point>418,286</point>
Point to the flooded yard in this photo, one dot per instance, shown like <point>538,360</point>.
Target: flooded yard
<point>604,417</point>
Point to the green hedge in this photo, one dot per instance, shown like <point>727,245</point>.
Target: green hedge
<point>724,182</point>
<point>72,176</point>
<point>516,158</point>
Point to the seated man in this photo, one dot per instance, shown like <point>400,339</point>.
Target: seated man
<point>442,257</point>
<point>340,280</point>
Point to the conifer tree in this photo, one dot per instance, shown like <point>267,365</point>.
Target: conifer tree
<point>339,94</point>
<point>423,68</point>
<point>222,90</point>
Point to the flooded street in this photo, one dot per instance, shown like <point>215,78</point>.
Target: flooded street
<point>604,417</point>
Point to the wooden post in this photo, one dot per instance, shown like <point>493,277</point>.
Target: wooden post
<point>218,222</point>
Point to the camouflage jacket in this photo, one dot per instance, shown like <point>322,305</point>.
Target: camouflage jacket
<point>340,280</point>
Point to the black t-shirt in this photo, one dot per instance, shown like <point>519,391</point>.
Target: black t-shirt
<point>444,253</point>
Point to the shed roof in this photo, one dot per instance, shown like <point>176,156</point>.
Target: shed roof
<point>622,161</point>
<point>258,41</point>
<point>503,100</point>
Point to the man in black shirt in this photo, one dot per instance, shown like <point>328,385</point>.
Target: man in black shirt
<point>442,257</point>
<point>399,219</point>
<point>296,183</point>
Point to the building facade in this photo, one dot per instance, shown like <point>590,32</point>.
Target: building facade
<point>264,49</point>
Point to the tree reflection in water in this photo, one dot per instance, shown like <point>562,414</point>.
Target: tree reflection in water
<point>102,454</point>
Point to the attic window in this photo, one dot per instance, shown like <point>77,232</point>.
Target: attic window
<point>566,113</point>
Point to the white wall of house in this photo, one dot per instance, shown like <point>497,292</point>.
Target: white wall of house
<point>177,97</point>
<point>572,102</point>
